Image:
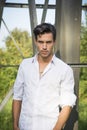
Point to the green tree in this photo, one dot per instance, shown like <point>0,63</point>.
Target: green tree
<point>83,79</point>
<point>23,41</point>
<point>12,56</point>
<point>83,52</point>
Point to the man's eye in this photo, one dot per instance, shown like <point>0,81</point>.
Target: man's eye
<point>40,42</point>
<point>49,42</point>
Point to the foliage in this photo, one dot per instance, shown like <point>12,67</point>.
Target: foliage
<point>83,52</point>
<point>7,77</point>
<point>83,81</point>
<point>23,41</point>
<point>83,47</point>
<point>12,56</point>
<point>6,117</point>
<point>83,105</point>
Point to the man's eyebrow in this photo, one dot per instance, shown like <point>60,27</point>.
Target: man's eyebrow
<point>45,41</point>
<point>49,41</point>
<point>40,41</point>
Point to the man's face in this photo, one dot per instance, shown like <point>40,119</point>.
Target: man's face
<point>45,44</point>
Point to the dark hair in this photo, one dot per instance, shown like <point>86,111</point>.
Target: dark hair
<point>44,28</point>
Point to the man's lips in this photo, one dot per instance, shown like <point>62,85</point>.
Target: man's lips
<point>44,52</point>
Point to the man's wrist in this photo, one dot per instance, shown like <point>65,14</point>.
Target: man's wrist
<point>57,128</point>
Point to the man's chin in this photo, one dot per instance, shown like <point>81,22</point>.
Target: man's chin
<point>44,55</point>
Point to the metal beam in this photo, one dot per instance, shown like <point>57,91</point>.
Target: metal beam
<point>68,23</point>
<point>25,5</point>
<point>6,99</point>
<point>78,65</point>
<point>33,20</point>
<point>44,11</point>
<point>58,27</point>
<point>2,2</point>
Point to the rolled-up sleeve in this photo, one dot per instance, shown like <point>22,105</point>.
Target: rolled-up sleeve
<point>67,96</point>
<point>18,85</point>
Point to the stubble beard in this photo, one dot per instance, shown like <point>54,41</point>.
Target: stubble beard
<point>47,56</point>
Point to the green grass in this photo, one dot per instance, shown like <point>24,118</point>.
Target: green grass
<point>6,117</point>
<point>83,105</point>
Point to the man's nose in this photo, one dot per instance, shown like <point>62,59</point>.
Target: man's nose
<point>44,46</point>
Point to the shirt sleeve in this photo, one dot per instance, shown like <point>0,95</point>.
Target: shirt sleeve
<point>67,96</point>
<point>18,85</point>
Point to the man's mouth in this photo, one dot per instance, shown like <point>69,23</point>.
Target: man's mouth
<point>44,52</point>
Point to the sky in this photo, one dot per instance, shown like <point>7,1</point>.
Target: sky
<point>19,18</point>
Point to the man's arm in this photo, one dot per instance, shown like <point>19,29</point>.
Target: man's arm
<point>63,117</point>
<point>16,108</point>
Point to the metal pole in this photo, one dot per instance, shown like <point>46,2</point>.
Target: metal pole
<point>68,23</point>
<point>44,11</point>
<point>33,19</point>
<point>2,2</point>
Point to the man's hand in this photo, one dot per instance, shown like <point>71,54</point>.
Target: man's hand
<point>16,128</point>
<point>57,128</point>
<point>63,116</point>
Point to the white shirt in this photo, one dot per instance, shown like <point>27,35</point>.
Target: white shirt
<point>42,96</point>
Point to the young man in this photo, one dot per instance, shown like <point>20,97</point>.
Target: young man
<point>44,83</point>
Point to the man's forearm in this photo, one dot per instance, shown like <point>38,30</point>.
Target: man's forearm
<point>63,117</point>
<point>16,108</point>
